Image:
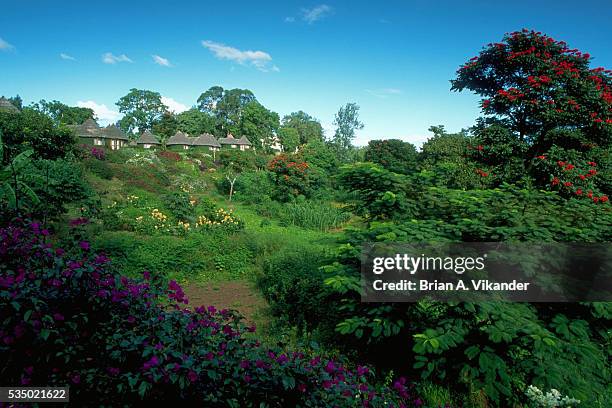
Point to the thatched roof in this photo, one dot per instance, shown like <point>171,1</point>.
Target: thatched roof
<point>231,140</point>
<point>244,141</point>
<point>179,138</point>
<point>147,137</point>
<point>89,128</point>
<point>206,139</point>
<point>113,132</point>
<point>7,106</point>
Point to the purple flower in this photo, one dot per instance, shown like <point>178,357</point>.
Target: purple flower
<point>301,388</point>
<point>327,384</point>
<point>361,370</point>
<point>244,364</point>
<point>153,361</point>
<point>247,378</point>
<point>113,371</point>
<point>146,275</point>
<point>58,317</point>
<point>192,376</point>
<point>76,379</point>
<point>282,359</point>
<point>330,367</point>
<point>84,245</point>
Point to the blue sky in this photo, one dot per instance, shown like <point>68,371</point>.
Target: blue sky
<point>393,58</point>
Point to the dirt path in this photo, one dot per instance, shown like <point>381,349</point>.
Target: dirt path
<point>237,295</point>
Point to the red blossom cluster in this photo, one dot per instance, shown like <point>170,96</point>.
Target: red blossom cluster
<point>482,173</point>
<point>568,167</point>
<point>512,94</point>
<point>537,81</point>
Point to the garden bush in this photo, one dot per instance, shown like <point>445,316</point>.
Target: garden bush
<point>57,183</point>
<point>68,320</point>
<point>292,283</point>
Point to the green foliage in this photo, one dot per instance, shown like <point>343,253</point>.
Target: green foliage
<point>62,114</point>
<point>195,122</point>
<point>289,138</point>
<point>31,129</point>
<point>444,160</point>
<point>57,183</point>
<point>227,106</point>
<point>291,282</point>
<point>15,193</point>
<point>141,109</point>
<point>308,128</point>
<point>251,187</point>
<point>347,123</point>
<point>239,160</point>
<point>180,206</point>
<point>259,125</point>
<point>314,215</point>
<point>165,126</point>
<point>392,154</point>
<point>380,194</point>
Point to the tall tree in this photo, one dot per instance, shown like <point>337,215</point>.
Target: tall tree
<point>63,114</point>
<point>289,139</point>
<point>259,125</point>
<point>307,127</point>
<point>347,123</point>
<point>393,154</point>
<point>541,101</point>
<point>534,84</point>
<point>165,126</point>
<point>141,108</point>
<point>227,105</point>
<point>196,122</point>
<point>208,101</point>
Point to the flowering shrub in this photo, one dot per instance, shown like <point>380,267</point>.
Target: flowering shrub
<point>551,399</point>
<point>145,158</point>
<point>98,153</point>
<point>220,219</point>
<point>291,176</point>
<point>67,319</point>
<point>169,155</point>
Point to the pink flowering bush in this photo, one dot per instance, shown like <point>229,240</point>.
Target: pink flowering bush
<point>68,320</point>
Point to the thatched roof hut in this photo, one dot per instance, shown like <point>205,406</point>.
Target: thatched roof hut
<point>147,138</point>
<point>179,139</point>
<point>206,139</point>
<point>7,106</point>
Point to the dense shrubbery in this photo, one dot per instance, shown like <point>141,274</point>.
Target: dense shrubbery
<point>292,283</point>
<point>496,348</point>
<point>67,319</point>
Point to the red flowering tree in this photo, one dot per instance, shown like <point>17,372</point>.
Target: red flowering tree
<point>546,94</point>
<point>291,176</point>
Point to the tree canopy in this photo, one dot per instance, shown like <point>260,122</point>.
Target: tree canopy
<point>141,109</point>
<point>61,113</point>
<point>307,127</point>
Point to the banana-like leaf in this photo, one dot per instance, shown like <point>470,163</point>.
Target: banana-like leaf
<point>29,192</point>
<point>6,190</point>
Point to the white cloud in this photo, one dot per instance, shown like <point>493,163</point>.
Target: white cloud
<point>173,105</point>
<point>5,46</point>
<point>383,92</point>
<point>109,58</point>
<point>65,56</point>
<point>316,13</point>
<point>164,62</point>
<point>259,59</point>
<point>289,19</point>
<point>103,113</point>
